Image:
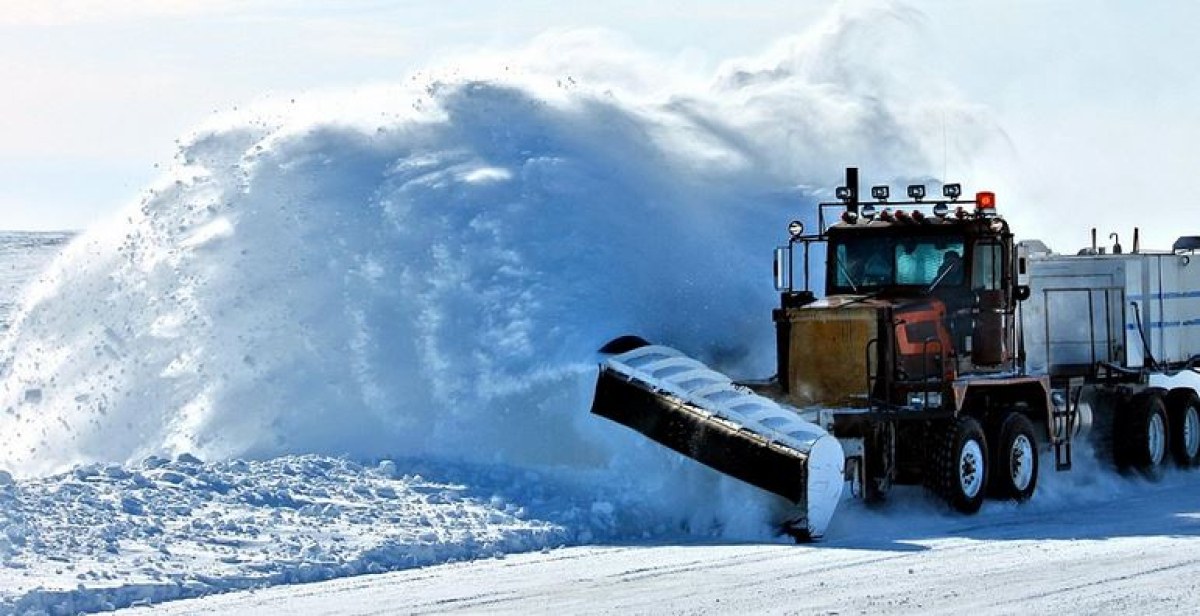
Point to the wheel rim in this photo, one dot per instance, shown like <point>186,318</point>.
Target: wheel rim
<point>1156,440</point>
<point>970,468</point>
<point>1021,462</point>
<point>1191,432</point>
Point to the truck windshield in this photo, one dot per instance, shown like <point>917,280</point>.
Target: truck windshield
<point>870,263</point>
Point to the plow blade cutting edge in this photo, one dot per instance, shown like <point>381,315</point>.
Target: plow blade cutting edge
<point>700,413</point>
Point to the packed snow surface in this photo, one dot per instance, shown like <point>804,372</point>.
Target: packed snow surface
<point>1063,561</point>
<point>106,536</point>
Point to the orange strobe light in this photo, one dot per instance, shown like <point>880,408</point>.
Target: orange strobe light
<point>985,202</point>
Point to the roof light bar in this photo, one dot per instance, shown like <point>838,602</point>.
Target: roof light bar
<point>950,207</point>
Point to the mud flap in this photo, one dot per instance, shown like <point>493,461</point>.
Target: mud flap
<point>682,404</point>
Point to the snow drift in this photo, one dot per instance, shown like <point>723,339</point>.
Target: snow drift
<point>427,269</point>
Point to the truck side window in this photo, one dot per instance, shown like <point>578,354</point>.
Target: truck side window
<point>986,269</point>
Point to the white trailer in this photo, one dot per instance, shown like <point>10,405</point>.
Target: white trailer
<point>1118,334</point>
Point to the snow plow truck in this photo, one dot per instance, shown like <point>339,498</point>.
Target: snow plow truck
<point>942,353</point>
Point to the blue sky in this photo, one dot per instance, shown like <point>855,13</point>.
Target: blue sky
<point>1099,99</point>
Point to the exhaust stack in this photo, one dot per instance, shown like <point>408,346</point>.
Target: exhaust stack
<point>852,186</point>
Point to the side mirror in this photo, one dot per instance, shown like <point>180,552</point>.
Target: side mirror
<point>781,269</point>
<point>1021,292</point>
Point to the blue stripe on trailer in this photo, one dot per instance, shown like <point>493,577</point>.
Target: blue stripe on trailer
<point>1169,295</point>
<point>1166,324</point>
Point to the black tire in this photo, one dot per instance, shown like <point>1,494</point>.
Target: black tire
<point>1140,441</point>
<point>957,465</point>
<point>1014,470</point>
<point>1183,413</point>
<point>799,534</point>
<point>623,344</point>
<point>878,480</point>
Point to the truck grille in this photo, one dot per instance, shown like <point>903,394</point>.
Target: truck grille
<point>827,353</point>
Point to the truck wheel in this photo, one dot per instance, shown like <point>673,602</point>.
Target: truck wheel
<point>1141,441</point>
<point>1183,411</point>
<point>1014,459</point>
<point>877,464</point>
<point>958,464</point>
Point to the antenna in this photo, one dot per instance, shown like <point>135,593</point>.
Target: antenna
<point>945,165</point>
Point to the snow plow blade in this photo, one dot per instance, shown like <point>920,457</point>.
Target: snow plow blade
<point>700,413</point>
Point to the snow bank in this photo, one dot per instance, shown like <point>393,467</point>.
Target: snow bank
<point>105,536</point>
<point>425,270</point>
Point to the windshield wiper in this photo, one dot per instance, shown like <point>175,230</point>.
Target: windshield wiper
<point>942,276</point>
<point>863,298</point>
<point>849,279</point>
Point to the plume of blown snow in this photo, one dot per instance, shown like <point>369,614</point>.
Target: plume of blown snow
<point>426,269</point>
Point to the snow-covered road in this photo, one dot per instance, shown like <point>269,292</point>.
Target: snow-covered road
<point>1138,552</point>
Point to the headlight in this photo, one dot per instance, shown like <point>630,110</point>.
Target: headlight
<point>917,400</point>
